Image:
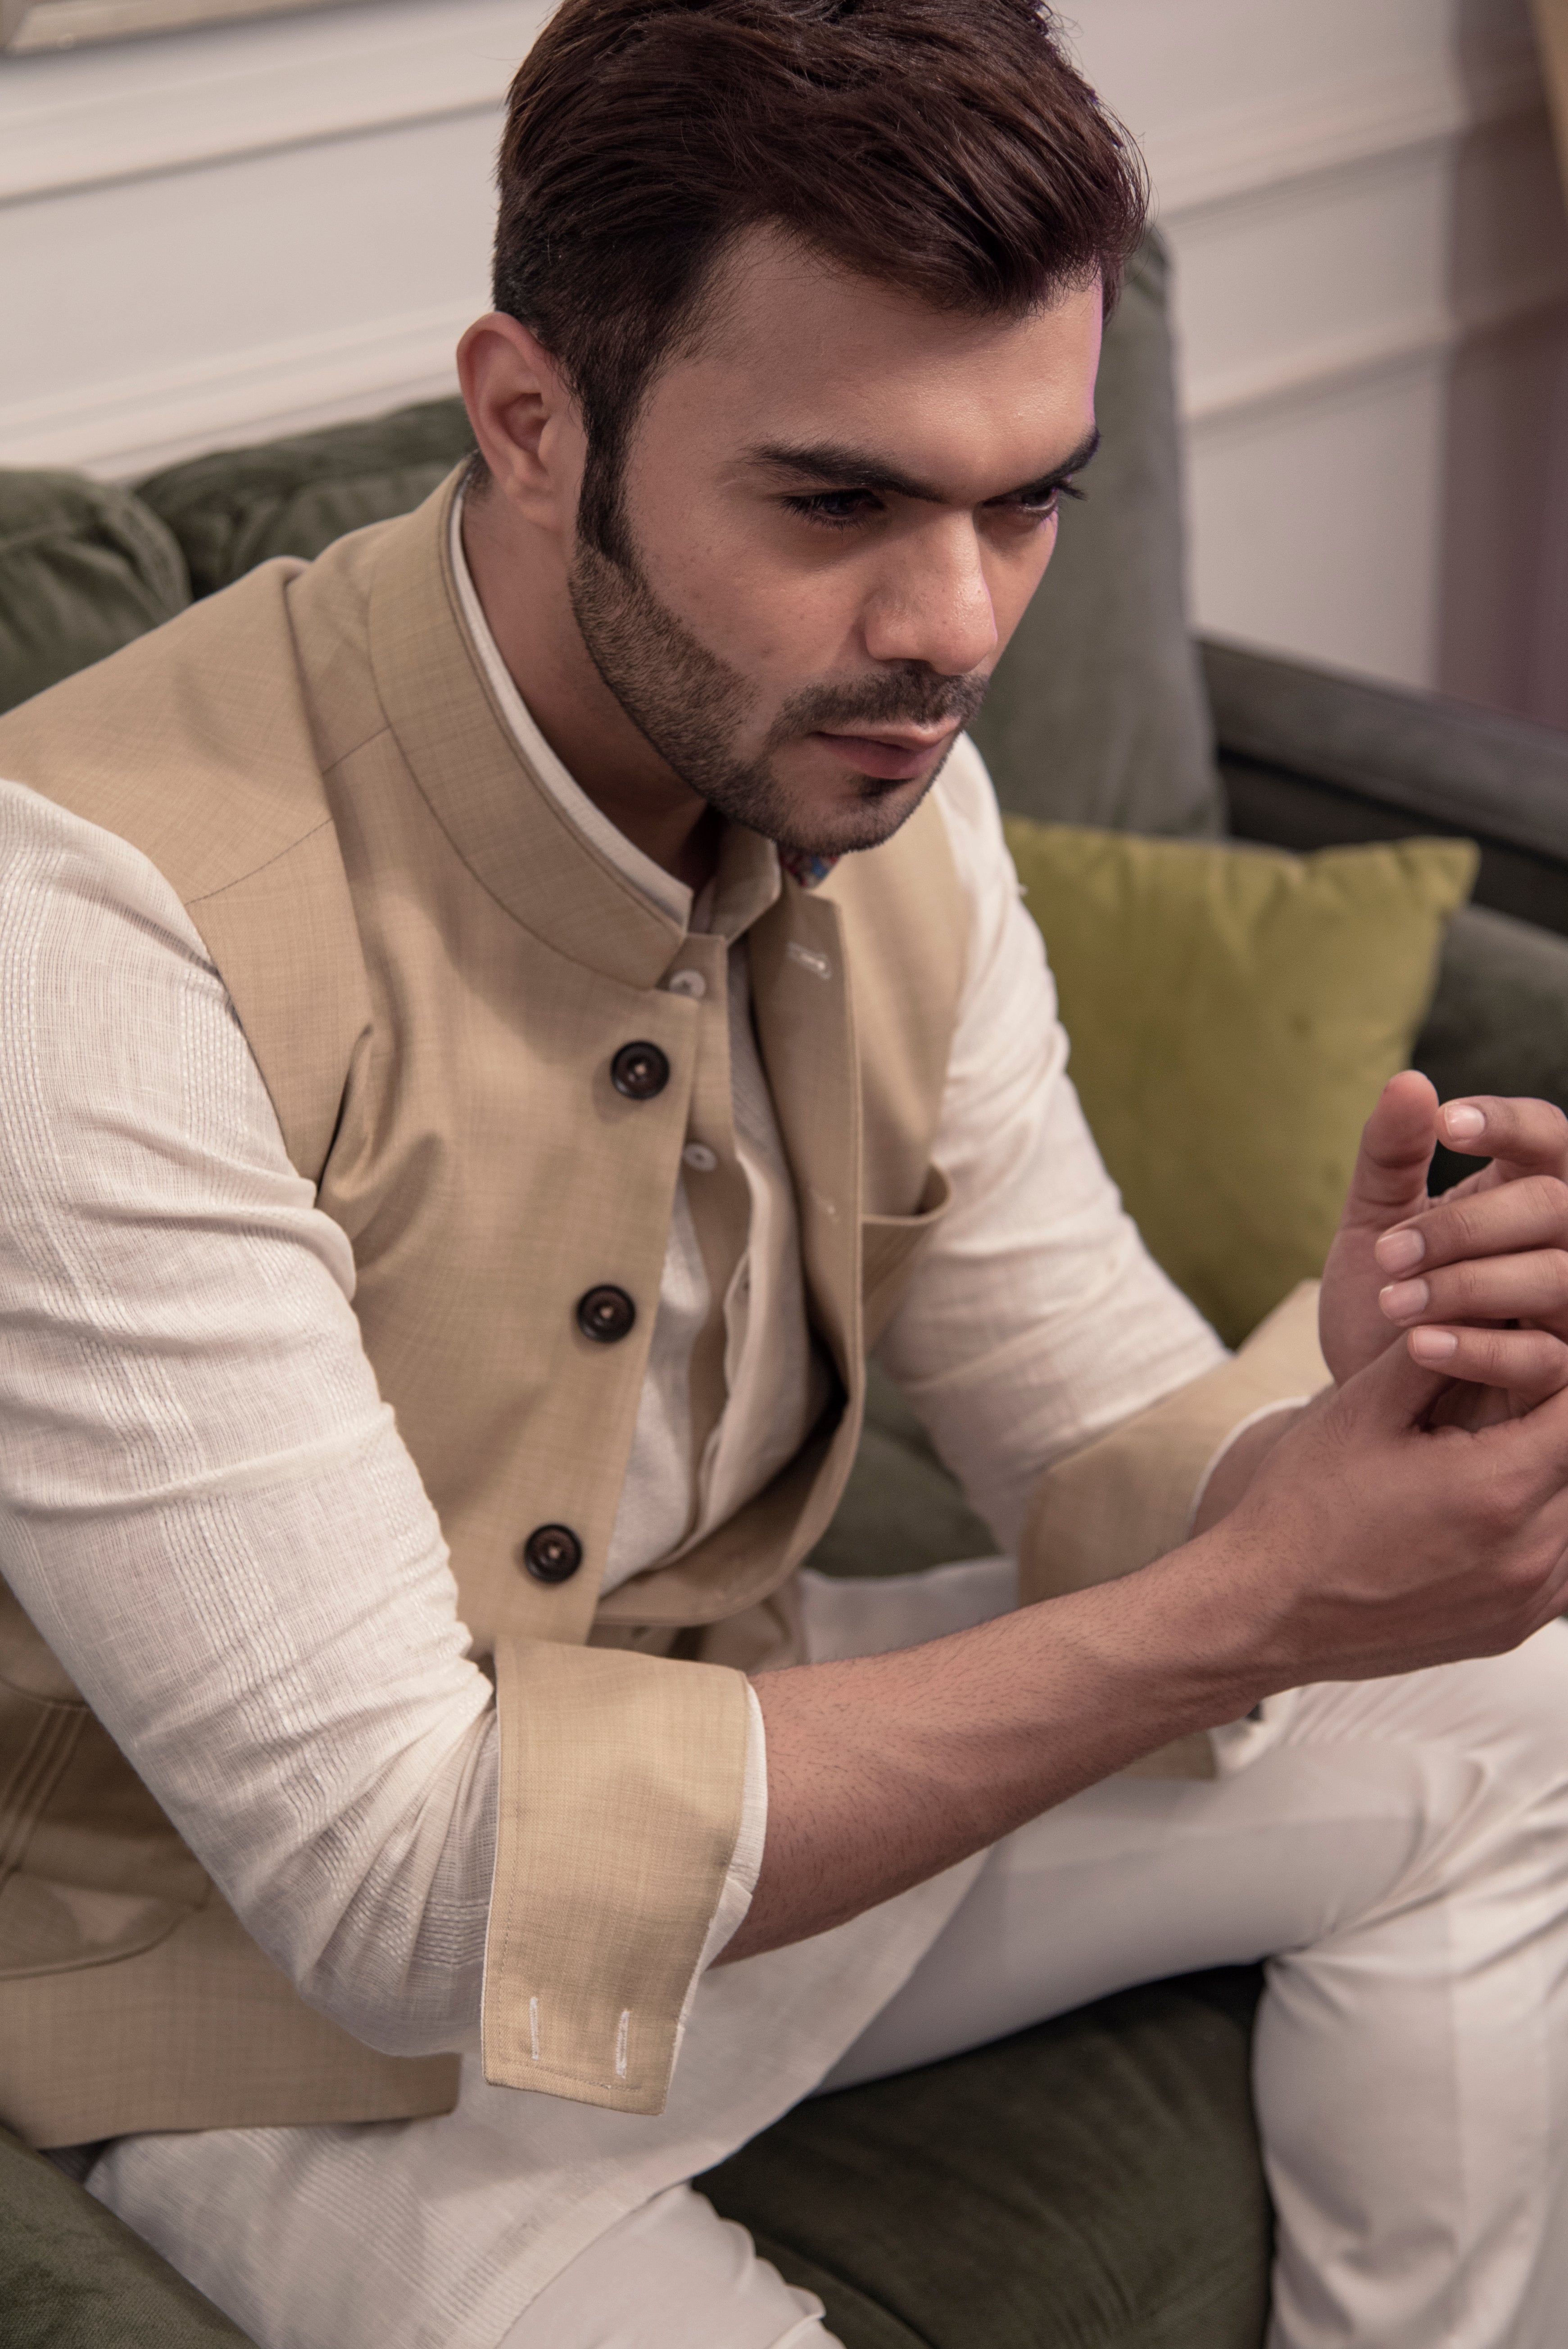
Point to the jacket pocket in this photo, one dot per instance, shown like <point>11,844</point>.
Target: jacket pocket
<point>90,1870</point>
<point>889,1246</point>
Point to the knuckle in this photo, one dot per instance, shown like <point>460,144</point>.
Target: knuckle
<point>1522,1573</point>
<point>1461,1228</point>
<point>1508,1501</point>
<point>1461,1289</point>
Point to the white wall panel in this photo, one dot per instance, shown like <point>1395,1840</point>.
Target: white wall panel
<point>218,236</point>
<point>1373,289</point>
<point>221,235</point>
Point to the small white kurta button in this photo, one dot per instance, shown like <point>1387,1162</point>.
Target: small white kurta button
<point>688,982</point>
<point>699,1157</point>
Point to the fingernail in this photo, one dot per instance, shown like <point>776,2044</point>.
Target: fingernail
<point>1398,1251</point>
<point>1403,1298</point>
<point>1433,1347</point>
<point>1464,1121</point>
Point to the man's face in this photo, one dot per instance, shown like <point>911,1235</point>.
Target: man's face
<point>832,513</point>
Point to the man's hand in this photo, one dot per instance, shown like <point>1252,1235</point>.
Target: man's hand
<point>1415,1513</point>
<point>1380,1537</point>
<point>1370,1541</point>
<point>1478,1280</point>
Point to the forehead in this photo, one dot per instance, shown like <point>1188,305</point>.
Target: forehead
<point>792,349</point>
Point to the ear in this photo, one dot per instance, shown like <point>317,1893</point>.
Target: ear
<point>525,420</point>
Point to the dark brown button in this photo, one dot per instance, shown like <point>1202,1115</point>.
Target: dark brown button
<point>552,1553</point>
<point>606,1315</point>
<point>640,1072</point>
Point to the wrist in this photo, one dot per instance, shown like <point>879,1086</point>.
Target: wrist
<point>1154,1656</point>
<point>1230,1469</point>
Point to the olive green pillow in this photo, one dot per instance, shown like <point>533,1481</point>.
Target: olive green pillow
<point>1235,1013</point>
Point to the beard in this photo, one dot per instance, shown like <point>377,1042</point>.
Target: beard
<point>693,707</point>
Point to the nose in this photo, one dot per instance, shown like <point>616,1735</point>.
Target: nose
<point>930,602</point>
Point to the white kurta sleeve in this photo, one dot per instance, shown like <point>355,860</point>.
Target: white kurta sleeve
<point>1036,1318</point>
<point>205,1506</point>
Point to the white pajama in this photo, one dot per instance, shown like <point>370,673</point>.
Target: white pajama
<point>210,1515</point>
<point>1397,1851</point>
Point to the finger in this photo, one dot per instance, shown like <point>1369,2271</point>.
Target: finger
<point>1392,1393</point>
<point>1531,1135</point>
<point>1396,1144</point>
<point>1510,1220</point>
<point>1529,1287</point>
<point>1530,1363</point>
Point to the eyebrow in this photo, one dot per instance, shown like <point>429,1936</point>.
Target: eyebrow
<point>858,468</point>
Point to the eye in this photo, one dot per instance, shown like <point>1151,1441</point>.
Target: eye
<point>832,508</point>
<point>1039,505</point>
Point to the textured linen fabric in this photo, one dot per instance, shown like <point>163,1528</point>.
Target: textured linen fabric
<point>209,1513</point>
<point>189,1400</point>
<point>1399,1859</point>
<point>775,1381</point>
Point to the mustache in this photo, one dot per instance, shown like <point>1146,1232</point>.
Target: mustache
<point>914,696</point>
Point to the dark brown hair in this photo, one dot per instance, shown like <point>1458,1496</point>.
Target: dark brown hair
<point>946,147</point>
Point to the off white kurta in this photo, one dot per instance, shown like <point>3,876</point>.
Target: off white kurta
<point>274,1641</point>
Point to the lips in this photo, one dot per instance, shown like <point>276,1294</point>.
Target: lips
<point>894,758</point>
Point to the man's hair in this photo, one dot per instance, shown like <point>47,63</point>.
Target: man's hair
<point>946,148</point>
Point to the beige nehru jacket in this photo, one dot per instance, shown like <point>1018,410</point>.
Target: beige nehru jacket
<point>423,953</point>
<point>316,765</point>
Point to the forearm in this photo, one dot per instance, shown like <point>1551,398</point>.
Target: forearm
<point>883,1771</point>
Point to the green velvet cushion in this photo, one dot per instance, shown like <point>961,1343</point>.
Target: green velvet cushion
<point>1235,1013</point>
<point>84,567</point>
<point>1093,2183</point>
<point>235,508</point>
<point>73,2277</point>
<point>1097,713</point>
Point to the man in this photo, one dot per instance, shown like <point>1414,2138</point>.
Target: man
<point>455,925</point>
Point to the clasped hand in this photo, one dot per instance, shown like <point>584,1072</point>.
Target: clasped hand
<point>1417,1511</point>
<point>1475,1282</point>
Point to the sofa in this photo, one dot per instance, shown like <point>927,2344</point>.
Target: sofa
<point>1094,2183</point>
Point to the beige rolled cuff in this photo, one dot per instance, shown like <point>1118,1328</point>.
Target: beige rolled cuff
<point>622,1783</point>
<point>1129,1498</point>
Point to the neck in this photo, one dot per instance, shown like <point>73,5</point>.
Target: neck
<point>521,578</point>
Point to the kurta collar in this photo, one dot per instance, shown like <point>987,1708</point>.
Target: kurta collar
<point>577,884</point>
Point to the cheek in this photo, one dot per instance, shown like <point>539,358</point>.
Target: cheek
<point>762,613</point>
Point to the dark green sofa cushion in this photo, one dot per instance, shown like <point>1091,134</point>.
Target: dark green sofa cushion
<point>72,2276</point>
<point>84,568</point>
<point>1093,2183</point>
<point>236,507</point>
<point>1098,713</point>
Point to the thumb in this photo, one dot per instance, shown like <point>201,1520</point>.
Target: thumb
<point>1396,1144</point>
<point>1392,1394</point>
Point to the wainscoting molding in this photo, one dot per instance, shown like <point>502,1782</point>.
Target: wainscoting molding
<point>334,166</point>
<point>122,430</point>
